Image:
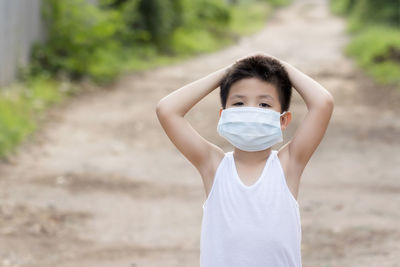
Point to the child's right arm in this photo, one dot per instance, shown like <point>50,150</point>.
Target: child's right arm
<point>171,111</point>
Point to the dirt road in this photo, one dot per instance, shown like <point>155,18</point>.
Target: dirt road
<point>101,185</point>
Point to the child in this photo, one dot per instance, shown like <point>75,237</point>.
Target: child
<point>251,216</point>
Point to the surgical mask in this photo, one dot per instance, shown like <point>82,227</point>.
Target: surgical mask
<point>250,128</point>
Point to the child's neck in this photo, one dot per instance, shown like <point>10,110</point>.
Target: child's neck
<point>250,158</point>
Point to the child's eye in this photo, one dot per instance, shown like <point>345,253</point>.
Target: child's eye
<point>264,105</point>
<point>238,104</point>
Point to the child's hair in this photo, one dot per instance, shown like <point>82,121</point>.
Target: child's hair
<point>261,67</point>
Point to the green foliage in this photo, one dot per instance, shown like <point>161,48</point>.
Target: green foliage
<point>99,41</point>
<point>19,106</point>
<point>252,20</point>
<point>278,3</point>
<point>363,13</point>
<point>367,12</point>
<point>226,24</point>
<point>342,7</point>
<point>159,18</point>
<point>186,41</point>
<point>78,33</point>
<point>376,46</point>
<point>129,10</point>
<point>210,15</point>
<point>205,27</point>
<point>113,37</point>
<point>89,40</point>
<point>377,49</point>
<point>272,3</point>
<point>15,123</point>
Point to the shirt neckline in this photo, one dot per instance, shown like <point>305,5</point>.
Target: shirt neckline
<point>260,178</point>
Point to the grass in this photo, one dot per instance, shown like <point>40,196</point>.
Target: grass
<point>15,121</point>
<point>20,105</point>
<point>377,50</point>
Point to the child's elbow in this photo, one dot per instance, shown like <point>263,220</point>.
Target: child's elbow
<point>329,102</point>
<point>325,103</point>
<point>160,109</point>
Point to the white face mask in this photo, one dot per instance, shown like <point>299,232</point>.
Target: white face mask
<point>250,128</point>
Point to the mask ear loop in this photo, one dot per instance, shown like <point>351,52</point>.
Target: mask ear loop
<point>283,113</point>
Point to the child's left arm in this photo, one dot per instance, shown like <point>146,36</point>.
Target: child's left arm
<point>310,132</point>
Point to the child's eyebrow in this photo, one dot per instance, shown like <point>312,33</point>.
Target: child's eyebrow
<point>260,96</point>
<point>238,96</point>
<point>266,96</point>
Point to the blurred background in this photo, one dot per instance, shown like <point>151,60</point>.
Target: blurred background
<point>87,175</point>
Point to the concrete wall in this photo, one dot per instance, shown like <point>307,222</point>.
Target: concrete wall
<point>20,27</point>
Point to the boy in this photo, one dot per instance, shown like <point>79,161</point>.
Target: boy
<point>251,216</point>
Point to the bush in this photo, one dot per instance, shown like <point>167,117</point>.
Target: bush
<point>363,13</point>
<point>278,3</point>
<point>205,27</point>
<point>209,15</point>
<point>160,18</point>
<point>186,41</point>
<point>15,124</point>
<point>79,33</point>
<point>19,106</point>
<point>377,49</point>
<point>376,45</point>
<point>97,40</point>
<point>89,40</point>
<point>116,36</point>
<point>255,17</point>
<point>342,7</point>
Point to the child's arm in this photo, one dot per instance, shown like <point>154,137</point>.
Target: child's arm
<point>171,111</point>
<point>310,132</point>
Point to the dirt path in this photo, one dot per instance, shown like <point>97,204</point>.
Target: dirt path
<point>101,185</point>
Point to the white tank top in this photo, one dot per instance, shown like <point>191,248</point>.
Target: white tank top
<point>250,226</point>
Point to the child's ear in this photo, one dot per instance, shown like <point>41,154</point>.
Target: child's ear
<point>285,120</point>
<point>220,110</point>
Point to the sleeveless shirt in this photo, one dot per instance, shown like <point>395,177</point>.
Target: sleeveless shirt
<point>250,226</point>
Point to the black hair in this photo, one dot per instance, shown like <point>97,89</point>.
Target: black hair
<point>264,68</point>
